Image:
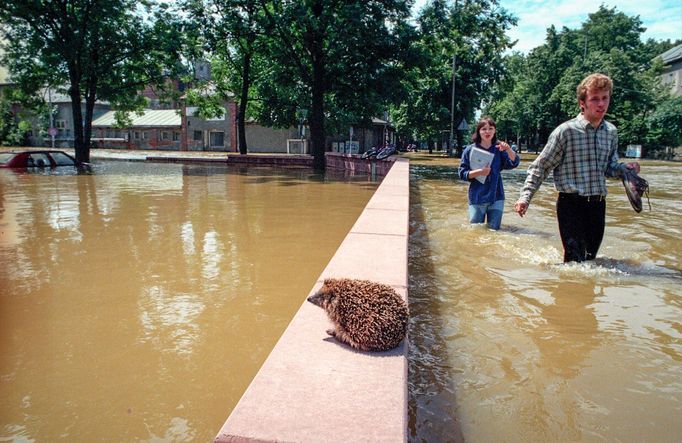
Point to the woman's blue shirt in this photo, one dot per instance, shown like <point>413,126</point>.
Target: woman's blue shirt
<point>493,189</point>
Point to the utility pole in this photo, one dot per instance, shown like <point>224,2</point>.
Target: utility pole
<point>452,100</point>
<point>52,130</point>
<point>452,106</point>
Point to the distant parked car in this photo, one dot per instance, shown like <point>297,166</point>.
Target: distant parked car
<point>38,159</point>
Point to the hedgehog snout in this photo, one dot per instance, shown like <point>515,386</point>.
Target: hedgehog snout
<point>316,299</point>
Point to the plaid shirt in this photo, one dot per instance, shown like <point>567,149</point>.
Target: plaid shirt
<point>580,156</point>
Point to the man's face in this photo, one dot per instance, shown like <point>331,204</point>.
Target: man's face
<point>595,105</point>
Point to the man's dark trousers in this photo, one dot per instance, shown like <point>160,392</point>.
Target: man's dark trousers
<point>581,225</point>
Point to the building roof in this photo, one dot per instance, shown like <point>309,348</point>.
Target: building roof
<point>150,118</point>
<point>672,55</point>
<point>57,95</point>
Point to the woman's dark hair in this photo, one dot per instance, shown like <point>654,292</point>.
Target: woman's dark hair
<point>476,136</point>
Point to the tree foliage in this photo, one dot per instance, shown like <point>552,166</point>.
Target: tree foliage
<point>337,62</point>
<point>475,34</point>
<point>231,34</point>
<point>92,50</point>
<point>665,124</point>
<point>540,91</point>
<point>15,121</point>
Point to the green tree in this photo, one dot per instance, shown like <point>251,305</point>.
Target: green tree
<point>474,33</point>
<point>233,32</point>
<point>10,132</point>
<point>544,91</point>
<point>17,111</point>
<point>665,125</point>
<point>95,49</point>
<point>337,60</point>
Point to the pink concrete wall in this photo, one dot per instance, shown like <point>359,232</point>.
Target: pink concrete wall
<point>313,389</point>
<point>356,163</point>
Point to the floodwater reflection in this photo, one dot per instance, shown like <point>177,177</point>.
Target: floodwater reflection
<point>137,303</point>
<point>509,344</point>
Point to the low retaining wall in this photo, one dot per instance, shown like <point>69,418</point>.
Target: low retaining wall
<point>270,160</point>
<point>313,389</point>
<point>334,160</point>
<point>356,163</point>
<point>302,161</point>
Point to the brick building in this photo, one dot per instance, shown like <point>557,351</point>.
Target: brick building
<point>167,129</point>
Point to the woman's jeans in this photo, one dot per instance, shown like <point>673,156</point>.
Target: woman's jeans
<point>491,211</point>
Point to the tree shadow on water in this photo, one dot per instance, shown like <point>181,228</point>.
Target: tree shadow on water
<point>432,408</point>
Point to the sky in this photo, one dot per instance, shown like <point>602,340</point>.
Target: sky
<point>661,18</point>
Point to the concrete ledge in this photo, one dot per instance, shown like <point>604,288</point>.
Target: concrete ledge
<point>300,161</point>
<point>313,389</point>
<point>185,160</point>
<point>356,163</point>
<point>276,160</point>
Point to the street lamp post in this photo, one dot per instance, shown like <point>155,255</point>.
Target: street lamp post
<point>452,106</point>
<point>52,131</point>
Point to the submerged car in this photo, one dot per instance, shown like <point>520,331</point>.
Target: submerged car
<point>39,159</point>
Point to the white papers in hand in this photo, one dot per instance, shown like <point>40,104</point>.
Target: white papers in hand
<point>480,159</point>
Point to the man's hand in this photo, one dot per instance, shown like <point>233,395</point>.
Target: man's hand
<point>633,165</point>
<point>521,207</point>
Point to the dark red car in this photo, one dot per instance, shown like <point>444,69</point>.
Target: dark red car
<point>38,159</point>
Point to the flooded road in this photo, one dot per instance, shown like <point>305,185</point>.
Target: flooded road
<point>137,304</point>
<point>508,344</point>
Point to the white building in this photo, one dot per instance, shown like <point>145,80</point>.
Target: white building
<point>672,76</point>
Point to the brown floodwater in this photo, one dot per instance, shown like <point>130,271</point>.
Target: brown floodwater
<point>508,344</point>
<point>137,303</point>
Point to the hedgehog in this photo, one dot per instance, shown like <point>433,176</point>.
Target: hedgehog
<point>368,316</point>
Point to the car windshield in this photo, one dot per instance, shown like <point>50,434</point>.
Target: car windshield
<point>5,157</point>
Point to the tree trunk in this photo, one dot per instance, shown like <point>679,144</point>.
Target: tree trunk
<point>317,134</point>
<point>459,141</point>
<point>81,149</point>
<point>243,100</point>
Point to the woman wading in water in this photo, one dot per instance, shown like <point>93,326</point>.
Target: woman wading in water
<point>486,191</point>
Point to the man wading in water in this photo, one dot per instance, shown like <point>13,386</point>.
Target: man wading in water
<point>580,153</point>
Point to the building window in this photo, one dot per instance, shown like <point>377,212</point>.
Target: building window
<point>145,135</point>
<point>136,135</point>
<point>217,138</point>
<point>176,136</point>
<point>198,136</point>
<point>165,135</point>
<point>61,128</point>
